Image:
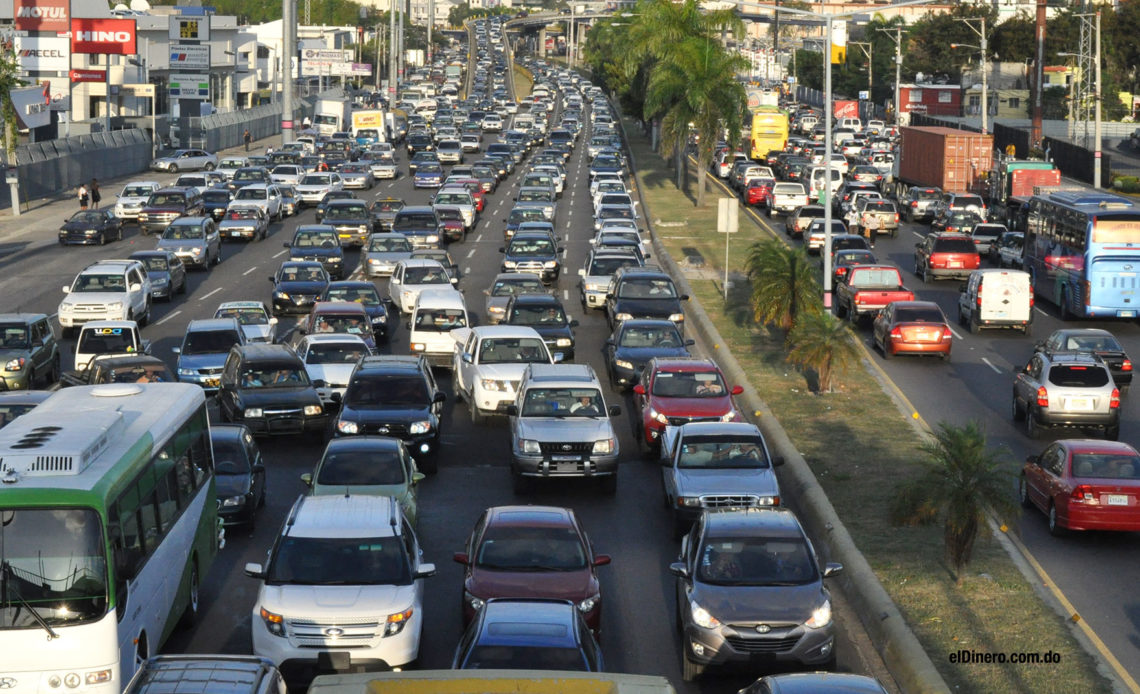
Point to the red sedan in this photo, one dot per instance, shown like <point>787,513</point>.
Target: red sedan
<point>759,191</point>
<point>1084,484</point>
<point>675,391</point>
<point>912,327</point>
<point>531,552</point>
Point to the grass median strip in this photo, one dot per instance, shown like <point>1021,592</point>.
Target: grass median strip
<point>861,447</point>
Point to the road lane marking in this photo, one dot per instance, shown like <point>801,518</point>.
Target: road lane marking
<point>281,253</point>
<point>249,271</point>
<point>207,296</point>
<point>916,234</point>
<point>990,364</point>
<point>471,252</point>
<point>954,332</point>
<point>1040,311</point>
<point>565,294</point>
<point>167,317</point>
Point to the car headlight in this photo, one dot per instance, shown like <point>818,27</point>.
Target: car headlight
<point>346,427</point>
<point>676,317</point>
<point>657,416</point>
<point>274,623</point>
<point>196,251</point>
<point>280,295</point>
<point>623,364</point>
<point>373,261</point>
<point>623,316</point>
<point>16,364</point>
<point>417,346</point>
<point>595,286</point>
<point>702,617</point>
<point>233,501</point>
<point>729,416</point>
<point>529,446</point>
<point>253,413</point>
<point>589,603</point>
<point>476,603</point>
<point>492,385</point>
<point>89,232</point>
<point>550,264</point>
<point>421,427</point>
<point>689,501</point>
<point>497,309</point>
<point>604,446</point>
<point>820,616</point>
<point>312,410</point>
<point>509,263</point>
<point>563,342</point>
<point>187,372</point>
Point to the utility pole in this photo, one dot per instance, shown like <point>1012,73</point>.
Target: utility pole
<point>896,36</point>
<point>982,48</point>
<point>391,54</point>
<point>868,49</point>
<point>1099,94</point>
<point>431,21</point>
<point>1036,137</point>
<point>288,21</point>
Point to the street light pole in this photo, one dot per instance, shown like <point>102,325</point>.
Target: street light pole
<point>896,36</point>
<point>288,21</point>
<point>985,64</point>
<point>1099,96</point>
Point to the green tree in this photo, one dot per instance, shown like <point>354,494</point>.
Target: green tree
<point>9,79</point>
<point>962,478</point>
<point>784,284</point>
<point>823,343</point>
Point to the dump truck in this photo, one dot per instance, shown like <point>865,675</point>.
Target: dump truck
<point>1011,185</point>
<point>957,161</point>
<point>490,682</point>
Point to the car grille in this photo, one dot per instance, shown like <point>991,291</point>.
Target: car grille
<point>678,421</point>
<point>158,216</point>
<point>315,633</point>
<point>729,501</point>
<point>762,645</point>
<point>559,447</point>
<point>212,371</point>
<point>301,299</point>
<point>534,266</point>
<point>89,308</point>
<point>396,430</point>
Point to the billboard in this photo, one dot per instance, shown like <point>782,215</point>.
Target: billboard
<point>32,105</point>
<point>42,15</point>
<point>103,36</point>
<point>42,54</point>
<point>189,86</point>
<point>79,76</point>
<point>319,69</point>
<point>189,28</point>
<point>185,57</point>
<point>846,108</point>
<point>320,55</point>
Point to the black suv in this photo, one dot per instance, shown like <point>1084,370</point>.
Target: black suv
<point>168,204</point>
<point>320,243</point>
<point>545,314</point>
<point>644,292</point>
<point>351,219</point>
<point>249,175</point>
<point>535,252</point>
<point>394,396</point>
<point>265,387</point>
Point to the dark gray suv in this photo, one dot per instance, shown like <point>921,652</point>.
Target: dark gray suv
<point>750,591</point>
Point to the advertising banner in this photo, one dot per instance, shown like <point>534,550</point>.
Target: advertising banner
<point>189,86</point>
<point>185,57</point>
<point>189,28</point>
<point>42,15</point>
<point>326,55</point>
<point>103,36</point>
<point>42,54</point>
<point>78,76</point>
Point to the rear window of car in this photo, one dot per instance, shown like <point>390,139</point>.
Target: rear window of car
<point>921,314</point>
<point>925,194</point>
<point>964,200</point>
<point>955,246</point>
<point>1078,376</point>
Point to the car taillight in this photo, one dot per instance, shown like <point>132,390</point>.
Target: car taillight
<point>1126,365</point>
<point>896,333</point>
<point>1042,397</point>
<point>843,271</point>
<point>914,203</point>
<point>1082,493</point>
<point>979,296</point>
<point>1088,293</point>
<point>1114,399</point>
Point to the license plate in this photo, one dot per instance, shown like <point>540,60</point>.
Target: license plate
<point>954,263</point>
<point>1078,404</point>
<point>1116,499</point>
<point>1126,314</point>
<point>212,382</point>
<point>564,458</point>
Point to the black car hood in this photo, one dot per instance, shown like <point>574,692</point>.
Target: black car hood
<point>648,308</point>
<point>231,485</point>
<point>301,287</point>
<point>745,604</point>
<point>385,415</point>
<point>552,332</point>
<point>81,226</point>
<point>279,397</point>
<point>640,355</point>
<point>351,222</point>
<point>310,252</point>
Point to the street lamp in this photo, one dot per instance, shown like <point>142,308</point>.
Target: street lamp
<point>981,32</point>
<point>868,49</point>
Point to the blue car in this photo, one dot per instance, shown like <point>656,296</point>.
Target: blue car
<point>428,175</point>
<point>528,634</point>
<point>634,342</point>
<point>204,349</point>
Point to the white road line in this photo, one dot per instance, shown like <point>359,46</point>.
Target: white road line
<point>477,240</point>
<point>565,294</point>
<point>917,235</point>
<point>278,255</point>
<point>954,333</point>
<point>470,253</point>
<point>1040,311</point>
<point>167,317</point>
<point>249,271</point>
<point>207,296</point>
<point>989,364</point>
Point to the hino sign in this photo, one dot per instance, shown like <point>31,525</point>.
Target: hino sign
<point>101,36</point>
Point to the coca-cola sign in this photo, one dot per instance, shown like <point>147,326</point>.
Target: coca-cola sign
<point>114,36</point>
<point>42,15</point>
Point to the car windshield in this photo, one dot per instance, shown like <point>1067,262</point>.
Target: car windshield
<point>89,217</point>
<point>387,390</point>
<point>13,336</point>
<point>362,466</point>
<point>390,245</point>
<point>335,352</point>
<point>166,200</point>
<point>414,221</point>
<point>519,215</point>
<point>531,247</point>
<point>1078,376</point>
<point>250,193</point>
<point>316,180</point>
<point>346,212</point>
<point>647,289</point>
<point>136,191</point>
<point>453,199</point>
<point>274,376</point>
<point>340,561</point>
<point>106,340</point>
<point>721,452</point>
<point>184,232</point>
<point>148,373</point>
<point>512,350</point>
<point>248,175</point>
<point>537,315</point>
<point>637,336</point>
<point>315,239</point>
<point>537,548</point>
<point>919,314</point>
<point>562,402</point>
<point>425,275</point>
<point>439,320</point>
<point>230,457</point>
<point>245,316</point>
<point>209,341</point>
<point>756,561</point>
<point>9,412</point>
<point>231,163</point>
<point>217,196</point>
<point>353,324</point>
<point>688,384</point>
<point>366,295</point>
<point>302,274</point>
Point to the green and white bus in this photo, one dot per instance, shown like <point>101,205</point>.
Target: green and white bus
<point>107,523</point>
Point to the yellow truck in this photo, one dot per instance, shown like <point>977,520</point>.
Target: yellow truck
<point>490,682</point>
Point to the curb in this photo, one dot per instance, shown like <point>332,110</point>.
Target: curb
<point>907,662</point>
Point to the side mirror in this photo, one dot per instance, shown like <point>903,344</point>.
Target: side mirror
<point>273,279</point>
<point>307,478</point>
<point>176,350</point>
<point>582,270</point>
<point>254,570</point>
<point>777,460</point>
<point>615,410</point>
<point>639,389</point>
<point>286,245</point>
<point>573,323</point>
<point>336,397</point>
<point>602,559</point>
<point>512,410</point>
<point>678,568</point>
<point>273,321</point>
<point>832,569</point>
<point>461,558</point>
<point>66,289</point>
<point>690,343</point>
<point>502,249</point>
<point>684,297</point>
<point>1033,459</point>
<point>425,571</point>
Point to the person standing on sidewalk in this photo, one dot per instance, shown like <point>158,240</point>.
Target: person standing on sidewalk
<point>247,139</point>
<point>82,197</point>
<point>93,189</point>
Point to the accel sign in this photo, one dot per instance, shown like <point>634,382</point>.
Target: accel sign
<point>103,36</point>
<point>42,15</point>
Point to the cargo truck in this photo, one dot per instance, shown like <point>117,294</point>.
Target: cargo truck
<point>490,682</point>
<point>1011,185</point>
<point>332,115</point>
<point>368,126</point>
<point>957,161</point>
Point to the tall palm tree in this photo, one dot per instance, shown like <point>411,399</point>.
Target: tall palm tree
<point>824,344</point>
<point>962,478</point>
<point>784,284</point>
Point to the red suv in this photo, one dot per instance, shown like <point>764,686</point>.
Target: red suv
<point>759,191</point>
<point>674,391</point>
<point>942,255</point>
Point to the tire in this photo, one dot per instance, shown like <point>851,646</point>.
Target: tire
<point>840,310</point>
<point>975,327</point>
<point>182,287</point>
<point>173,168</point>
<point>886,352</point>
<point>927,278</point>
<point>102,238</point>
<point>1055,528</point>
<point>209,166</point>
<point>1023,492</point>
<point>690,671</point>
<point>1032,428</point>
<point>119,236</point>
<point>1027,330</point>
<point>961,317</point>
<point>145,316</point>
<point>477,417</point>
<point>1066,314</point>
<point>1015,412</point>
<point>193,605</point>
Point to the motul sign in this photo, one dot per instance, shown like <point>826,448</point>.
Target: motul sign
<point>114,36</point>
<point>42,15</point>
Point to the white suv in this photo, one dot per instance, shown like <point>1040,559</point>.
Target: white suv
<point>106,290</point>
<point>342,583</point>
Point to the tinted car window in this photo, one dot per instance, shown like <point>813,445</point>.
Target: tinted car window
<point>340,561</point>
<point>919,315</point>
<point>955,246</point>
<point>392,390</point>
<point>1078,376</point>
<point>756,561</point>
<point>362,467</point>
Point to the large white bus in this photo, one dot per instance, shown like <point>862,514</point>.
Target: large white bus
<point>108,522</point>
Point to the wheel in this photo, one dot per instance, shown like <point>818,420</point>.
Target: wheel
<point>190,615</point>
<point>520,484</point>
<point>1015,411</point>
<point>927,278</point>
<point>1032,428</point>
<point>1055,528</point>
<point>102,238</point>
<point>961,316</point>
<point>1027,329</point>
<point>119,236</point>
<point>209,166</point>
<point>975,327</point>
<point>218,257</point>
<point>1023,492</point>
<point>1112,433</point>
<point>690,671</point>
<point>1066,314</point>
<point>476,415</point>
<point>608,484</point>
<point>182,287</point>
<point>173,168</point>
<point>840,310</point>
<point>886,351</point>
<point>54,371</point>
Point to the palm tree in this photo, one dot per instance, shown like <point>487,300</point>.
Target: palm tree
<point>824,344</point>
<point>784,284</point>
<point>961,480</point>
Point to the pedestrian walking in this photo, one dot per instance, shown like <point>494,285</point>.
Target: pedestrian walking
<point>247,138</point>
<point>93,190</point>
<point>82,197</point>
<point>871,224</point>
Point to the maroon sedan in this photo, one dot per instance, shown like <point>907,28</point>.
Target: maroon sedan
<point>1084,484</point>
<point>531,552</point>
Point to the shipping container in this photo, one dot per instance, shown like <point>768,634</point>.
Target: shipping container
<point>957,161</point>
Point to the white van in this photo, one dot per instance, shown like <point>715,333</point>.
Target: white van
<point>815,178</point>
<point>108,337</point>
<point>997,299</point>
<point>436,313</point>
<point>853,123</point>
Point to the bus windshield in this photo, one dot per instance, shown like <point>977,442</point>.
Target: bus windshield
<point>52,564</point>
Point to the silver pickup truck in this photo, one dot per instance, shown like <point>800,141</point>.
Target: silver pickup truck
<point>786,198</point>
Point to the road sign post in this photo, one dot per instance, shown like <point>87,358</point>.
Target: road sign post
<point>727,223</point>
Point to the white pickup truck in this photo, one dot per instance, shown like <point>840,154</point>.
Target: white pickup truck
<point>786,198</point>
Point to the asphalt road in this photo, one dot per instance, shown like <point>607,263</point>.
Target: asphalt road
<point>638,628</point>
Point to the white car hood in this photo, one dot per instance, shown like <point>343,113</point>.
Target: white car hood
<point>331,602</point>
<point>95,298</point>
<point>333,374</point>
<point>131,200</point>
<point>503,372</point>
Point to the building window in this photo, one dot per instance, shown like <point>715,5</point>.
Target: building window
<point>1014,102</point>
<point>915,96</point>
<point>944,97</point>
<point>975,100</point>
